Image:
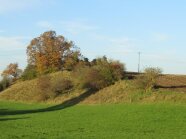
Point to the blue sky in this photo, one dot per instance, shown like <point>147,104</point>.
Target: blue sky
<point>118,29</point>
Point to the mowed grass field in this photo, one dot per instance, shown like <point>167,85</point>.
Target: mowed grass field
<point>112,121</point>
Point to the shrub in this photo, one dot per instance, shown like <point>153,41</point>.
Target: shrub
<point>44,86</point>
<point>148,80</point>
<point>79,74</point>
<point>118,69</point>
<point>111,70</point>
<point>5,83</point>
<point>89,77</point>
<point>71,60</point>
<point>96,80</point>
<point>60,85</point>
<point>100,74</point>
<point>1,87</point>
<point>29,73</point>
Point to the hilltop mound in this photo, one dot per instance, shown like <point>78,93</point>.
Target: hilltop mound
<point>170,88</point>
<point>27,91</point>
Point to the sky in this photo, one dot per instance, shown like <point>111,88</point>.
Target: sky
<point>118,29</point>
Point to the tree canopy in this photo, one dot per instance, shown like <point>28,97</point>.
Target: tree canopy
<point>12,70</point>
<point>50,52</point>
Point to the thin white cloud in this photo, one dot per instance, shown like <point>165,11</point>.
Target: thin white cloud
<point>157,57</point>
<point>161,37</point>
<point>70,27</point>
<point>45,24</point>
<point>124,41</point>
<point>17,5</point>
<point>75,27</point>
<point>13,49</point>
<point>117,45</point>
<point>168,57</point>
<point>12,43</point>
<point>123,45</point>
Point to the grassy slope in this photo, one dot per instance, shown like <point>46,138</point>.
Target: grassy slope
<point>116,121</point>
<point>27,91</point>
<point>172,89</point>
<point>103,120</point>
<point>125,91</point>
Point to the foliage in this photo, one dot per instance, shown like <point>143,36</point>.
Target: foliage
<point>94,79</point>
<point>61,85</point>
<point>12,70</point>
<point>100,74</point>
<point>49,52</point>
<point>29,73</point>
<point>123,91</point>
<point>44,86</point>
<point>52,87</point>
<point>71,60</point>
<point>148,80</point>
<point>5,83</point>
<point>118,69</point>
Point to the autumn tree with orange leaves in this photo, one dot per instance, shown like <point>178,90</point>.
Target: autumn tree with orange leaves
<point>50,52</point>
<point>12,70</point>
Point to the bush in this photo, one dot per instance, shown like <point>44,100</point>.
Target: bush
<point>44,86</point>
<point>29,73</point>
<point>118,69</point>
<point>148,80</point>
<point>50,88</point>
<point>100,74</point>
<point>4,83</point>
<point>96,80</point>
<point>60,85</point>
<point>79,73</point>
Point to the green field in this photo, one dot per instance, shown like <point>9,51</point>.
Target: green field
<point>113,121</point>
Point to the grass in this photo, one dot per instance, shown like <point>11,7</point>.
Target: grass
<point>171,89</point>
<point>109,121</point>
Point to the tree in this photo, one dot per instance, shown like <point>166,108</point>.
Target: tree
<point>118,69</point>
<point>71,60</point>
<point>12,70</point>
<point>148,80</point>
<point>29,73</point>
<point>100,74</point>
<point>48,52</point>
